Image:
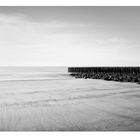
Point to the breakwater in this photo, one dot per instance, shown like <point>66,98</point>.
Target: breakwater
<point>122,74</point>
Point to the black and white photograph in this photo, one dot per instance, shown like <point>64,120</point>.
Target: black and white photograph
<point>69,68</point>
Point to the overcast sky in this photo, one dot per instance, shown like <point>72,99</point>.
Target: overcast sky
<point>70,36</point>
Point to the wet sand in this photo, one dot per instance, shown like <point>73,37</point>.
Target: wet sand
<point>69,105</point>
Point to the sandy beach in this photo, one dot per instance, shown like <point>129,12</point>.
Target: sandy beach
<point>69,105</point>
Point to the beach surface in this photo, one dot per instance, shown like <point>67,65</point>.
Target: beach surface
<point>69,105</point>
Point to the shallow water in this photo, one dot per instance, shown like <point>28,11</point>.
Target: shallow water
<point>33,73</point>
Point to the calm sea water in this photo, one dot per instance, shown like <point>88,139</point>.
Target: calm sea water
<point>33,73</point>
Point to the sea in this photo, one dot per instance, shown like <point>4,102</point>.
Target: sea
<point>33,73</point>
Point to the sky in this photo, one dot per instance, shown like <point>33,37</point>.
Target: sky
<point>69,36</point>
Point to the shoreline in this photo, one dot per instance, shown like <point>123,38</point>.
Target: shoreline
<point>119,74</point>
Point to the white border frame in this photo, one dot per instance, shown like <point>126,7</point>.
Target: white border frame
<point>70,135</point>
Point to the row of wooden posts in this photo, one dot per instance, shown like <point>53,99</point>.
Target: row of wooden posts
<point>135,70</point>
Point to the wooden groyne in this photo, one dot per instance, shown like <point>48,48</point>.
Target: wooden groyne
<point>123,74</point>
<point>105,69</point>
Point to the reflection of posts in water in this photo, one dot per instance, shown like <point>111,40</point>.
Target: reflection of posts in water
<point>123,74</point>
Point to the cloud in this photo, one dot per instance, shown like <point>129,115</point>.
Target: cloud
<point>19,30</point>
<point>112,41</point>
<point>12,20</point>
<point>24,42</point>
